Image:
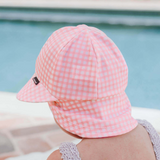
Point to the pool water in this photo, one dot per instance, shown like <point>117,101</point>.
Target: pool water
<point>21,42</point>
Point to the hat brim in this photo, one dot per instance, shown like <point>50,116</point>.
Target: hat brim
<point>34,93</point>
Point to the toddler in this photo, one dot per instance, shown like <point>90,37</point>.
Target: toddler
<point>82,75</point>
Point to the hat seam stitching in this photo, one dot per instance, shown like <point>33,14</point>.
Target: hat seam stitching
<point>57,61</point>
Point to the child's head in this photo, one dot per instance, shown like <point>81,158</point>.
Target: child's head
<point>82,75</point>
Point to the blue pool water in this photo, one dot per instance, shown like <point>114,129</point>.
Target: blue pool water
<point>21,42</point>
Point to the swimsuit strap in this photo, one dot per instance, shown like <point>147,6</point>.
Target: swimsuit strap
<point>69,151</point>
<point>154,136</point>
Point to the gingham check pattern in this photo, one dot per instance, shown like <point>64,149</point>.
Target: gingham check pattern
<point>34,93</point>
<point>81,63</point>
<point>76,66</point>
<point>103,117</point>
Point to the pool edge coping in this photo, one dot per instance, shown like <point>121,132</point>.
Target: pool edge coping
<point>100,5</point>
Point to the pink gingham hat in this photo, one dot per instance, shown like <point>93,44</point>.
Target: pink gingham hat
<point>82,75</point>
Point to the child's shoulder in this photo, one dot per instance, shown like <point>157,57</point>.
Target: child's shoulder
<point>56,155</point>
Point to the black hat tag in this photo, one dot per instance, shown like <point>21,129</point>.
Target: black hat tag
<point>35,80</point>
